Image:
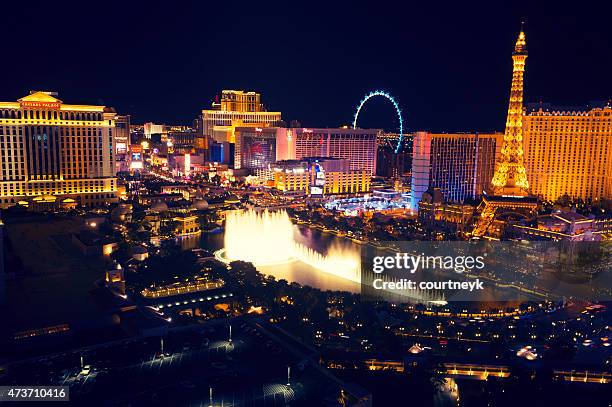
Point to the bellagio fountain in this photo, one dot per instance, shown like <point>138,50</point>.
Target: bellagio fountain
<point>266,238</point>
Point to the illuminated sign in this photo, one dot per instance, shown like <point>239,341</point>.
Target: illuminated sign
<point>40,105</point>
<point>136,161</point>
<point>317,191</point>
<point>136,164</point>
<point>319,181</point>
<point>187,163</point>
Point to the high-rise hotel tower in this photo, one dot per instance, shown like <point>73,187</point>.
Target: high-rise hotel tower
<point>236,108</point>
<point>56,154</point>
<point>460,164</point>
<point>568,151</point>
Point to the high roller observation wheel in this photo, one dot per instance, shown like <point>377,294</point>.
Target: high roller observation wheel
<point>395,105</point>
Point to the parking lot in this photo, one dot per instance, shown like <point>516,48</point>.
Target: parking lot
<point>251,369</point>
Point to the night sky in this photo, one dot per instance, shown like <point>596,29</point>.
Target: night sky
<point>448,63</point>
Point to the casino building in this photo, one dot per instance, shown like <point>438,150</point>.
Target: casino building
<point>318,176</point>
<point>357,145</point>
<point>54,154</point>
<point>461,165</point>
<point>568,151</point>
<point>236,108</point>
<point>258,147</point>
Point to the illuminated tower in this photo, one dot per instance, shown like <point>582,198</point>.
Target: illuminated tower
<point>508,200</point>
<point>510,177</point>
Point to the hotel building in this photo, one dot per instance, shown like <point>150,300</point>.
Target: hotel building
<point>357,145</point>
<point>56,154</point>
<point>257,147</point>
<point>319,176</point>
<point>236,108</point>
<point>434,210</point>
<point>460,165</point>
<point>564,225</point>
<point>122,143</point>
<point>568,151</point>
<point>181,140</point>
<point>159,130</point>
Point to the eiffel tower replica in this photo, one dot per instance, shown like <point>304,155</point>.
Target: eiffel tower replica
<point>508,197</point>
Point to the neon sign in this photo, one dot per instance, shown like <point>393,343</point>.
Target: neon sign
<point>40,105</point>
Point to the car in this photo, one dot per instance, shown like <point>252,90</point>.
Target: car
<point>86,370</point>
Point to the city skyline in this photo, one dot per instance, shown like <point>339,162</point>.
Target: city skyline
<point>209,204</point>
<point>424,63</point>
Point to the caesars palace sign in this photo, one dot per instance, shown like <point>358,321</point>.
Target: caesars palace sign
<point>40,105</point>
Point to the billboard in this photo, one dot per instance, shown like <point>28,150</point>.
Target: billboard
<point>257,151</point>
<point>136,156</point>
<point>316,190</point>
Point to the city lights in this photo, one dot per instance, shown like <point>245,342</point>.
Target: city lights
<point>183,243</point>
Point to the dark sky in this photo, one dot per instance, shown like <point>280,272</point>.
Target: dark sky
<point>447,63</point>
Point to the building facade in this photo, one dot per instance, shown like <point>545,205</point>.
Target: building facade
<point>565,225</point>
<point>357,145</point>
<point>122,143</point>
<point>152,131</point>
<point>460,165</point>
<point>240,101</point>
<point>318,176</point>
<point>55,153</point>
<point>236,108</point>
<point>568,152</point>
<point>433,210</point>
<point>258,147</point>
<point>181,141</point>
<point>255,147</point>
